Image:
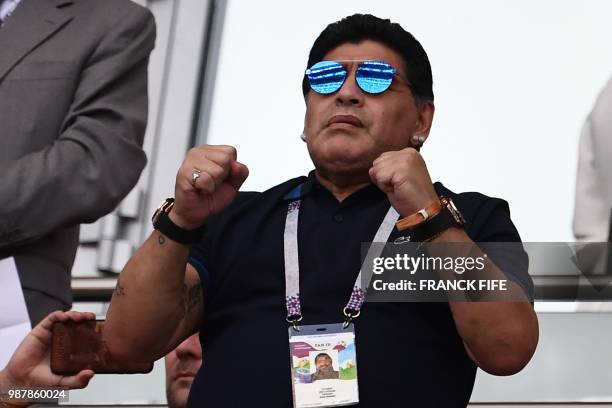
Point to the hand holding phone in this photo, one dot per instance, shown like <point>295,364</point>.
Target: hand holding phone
<point>29,364</point>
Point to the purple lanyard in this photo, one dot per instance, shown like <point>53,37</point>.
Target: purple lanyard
<point>292,265</point>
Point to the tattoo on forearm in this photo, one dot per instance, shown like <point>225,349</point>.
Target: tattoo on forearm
<point>161,239</point>
<point>119,290</point>
<point>192,296</point>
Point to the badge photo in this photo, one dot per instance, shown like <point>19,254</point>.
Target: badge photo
<point>323,366</point>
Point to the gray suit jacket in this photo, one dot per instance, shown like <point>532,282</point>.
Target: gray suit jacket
<point>73,110</point>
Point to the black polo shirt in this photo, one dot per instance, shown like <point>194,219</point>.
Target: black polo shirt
<point>409,354</point>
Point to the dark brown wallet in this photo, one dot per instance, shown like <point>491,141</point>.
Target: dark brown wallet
<point>79,346</point>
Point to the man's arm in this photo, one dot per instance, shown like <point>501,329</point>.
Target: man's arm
<point>97,157</point>
<point>500,337</point>
<point>158,301</point>
<point>590,208</point>
<point>593,196</point>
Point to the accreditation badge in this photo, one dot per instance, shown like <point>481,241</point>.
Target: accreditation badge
<point>323,365</point>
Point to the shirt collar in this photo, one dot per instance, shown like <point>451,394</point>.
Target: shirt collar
<point>302,189</point>
<point>306,187</point>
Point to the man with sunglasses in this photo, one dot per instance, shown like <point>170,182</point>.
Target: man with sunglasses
<point>256,265</point>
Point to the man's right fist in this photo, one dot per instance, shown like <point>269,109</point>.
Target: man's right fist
<point>207,181</point>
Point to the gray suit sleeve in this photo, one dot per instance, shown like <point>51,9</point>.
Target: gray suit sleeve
<point>97,157</point>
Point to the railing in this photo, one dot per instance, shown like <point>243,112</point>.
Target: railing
<point>548,288</point>
<point>474,405</point>
<point>93,289</point>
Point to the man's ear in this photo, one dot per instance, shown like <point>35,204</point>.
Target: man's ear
<point>303,135</point>
<point>425,119</point>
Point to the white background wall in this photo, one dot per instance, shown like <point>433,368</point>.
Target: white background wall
<point>513,79</point>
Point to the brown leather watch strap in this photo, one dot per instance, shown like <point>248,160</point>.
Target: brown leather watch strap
<point>418,217</point>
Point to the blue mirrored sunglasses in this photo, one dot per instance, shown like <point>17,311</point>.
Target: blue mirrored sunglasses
<point>373,77</point>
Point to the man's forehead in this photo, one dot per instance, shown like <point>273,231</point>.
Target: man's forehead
<point>363,50</point>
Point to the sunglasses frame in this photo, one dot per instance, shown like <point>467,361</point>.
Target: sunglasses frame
<point>343,64</point>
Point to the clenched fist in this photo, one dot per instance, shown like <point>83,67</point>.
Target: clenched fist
<point>207,181</point>
<point>403,176</point>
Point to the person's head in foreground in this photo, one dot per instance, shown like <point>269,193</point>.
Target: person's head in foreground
<point>182,364</point>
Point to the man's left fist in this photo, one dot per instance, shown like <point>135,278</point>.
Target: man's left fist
<point>403,176</point>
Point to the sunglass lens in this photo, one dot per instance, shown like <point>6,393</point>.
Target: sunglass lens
<point>326,77</point>
<point>375,76</point>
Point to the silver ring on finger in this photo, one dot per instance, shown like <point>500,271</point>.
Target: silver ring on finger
<point>195,176</point>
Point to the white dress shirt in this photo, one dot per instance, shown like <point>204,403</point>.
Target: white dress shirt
<point>594,176</point>
<point>6,9</point>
